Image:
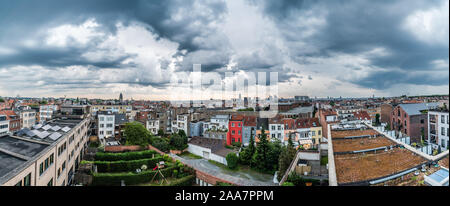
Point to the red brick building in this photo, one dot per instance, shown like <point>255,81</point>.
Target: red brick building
<point>235,126</point>
<point>14,120</point>
<point>411,120</point>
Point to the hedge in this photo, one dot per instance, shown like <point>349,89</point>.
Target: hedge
<point>102,156</point>
<point>184,181</point>
<point>126,166</point>
<point>130,178</point>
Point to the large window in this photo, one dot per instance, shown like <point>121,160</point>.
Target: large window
<point>50,183</point>
<point>27,180</point>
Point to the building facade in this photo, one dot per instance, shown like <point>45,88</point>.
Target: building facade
<point>438,128</point>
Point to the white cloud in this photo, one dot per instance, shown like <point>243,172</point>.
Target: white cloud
<point>73,35</point>
<point>430,26</point>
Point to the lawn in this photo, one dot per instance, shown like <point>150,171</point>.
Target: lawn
<point>189,155</point>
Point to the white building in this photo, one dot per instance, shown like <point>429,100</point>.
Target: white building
<point>276,129</point>
<point>4,125</point>
<point>153,126</point>
<point>218,122</point>
<point>105,125</point>
<point>46,112</point>
<point>27,117</point>
<point>438,128</point>
<point>183,123</point>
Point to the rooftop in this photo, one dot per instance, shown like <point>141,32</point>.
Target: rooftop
<point>348,145</point>
<point>352,133</point>
<point>363,167</point>
<point>49,132</point>
<point>20,146</point>
<point>415,109</point>
<point>9,163</point>
<point>444,162</point>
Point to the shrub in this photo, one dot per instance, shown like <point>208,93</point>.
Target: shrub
<point>184,181</point>
<point>130,178</point>
<point>236,144</point>
<point>232,160</point>
<point>288,184</point>
<point>175,173</point>
<point>125,166</point>
<point>102,156</point>
<point>223,184</point>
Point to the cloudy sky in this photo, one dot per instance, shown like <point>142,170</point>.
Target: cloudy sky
<point>99,48</point>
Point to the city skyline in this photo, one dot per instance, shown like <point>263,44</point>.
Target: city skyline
<point>99,49</point>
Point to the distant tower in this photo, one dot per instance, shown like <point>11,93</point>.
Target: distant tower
<point>121,97</point>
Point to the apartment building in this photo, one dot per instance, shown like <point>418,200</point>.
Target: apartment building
<point>181,123</point>
<point>235,125</point>
<point>14,120</point>
<point>153,125</point>
<point>120,109</point>
<point>105,124</point>
<point>438,128</point>
<point>196,128</point>
<point>411,120</point>
<point>248,129</point>
<point>47,112</point>
<point>110,125</point>
<point>27,117</point>
<point>46,155</point>
<point>4,125</point>
<point>276,128</point>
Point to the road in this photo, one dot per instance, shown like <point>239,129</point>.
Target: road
<point>244,178</point>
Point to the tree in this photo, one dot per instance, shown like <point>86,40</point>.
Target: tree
<point>2,100</point>
<point>377,119</point>
<point>160,132</point>
<point>260,158</point>
<point>136,134</point>
<point>182,134</point>
<point>161,144</point>
<point>177,142</point>
<point>232,160</point>
<point>286,157</point>
<point>245,157</point>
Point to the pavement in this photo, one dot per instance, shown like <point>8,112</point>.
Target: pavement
<point>243,178</point>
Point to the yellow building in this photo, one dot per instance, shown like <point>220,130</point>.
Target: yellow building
<point>121,109</point>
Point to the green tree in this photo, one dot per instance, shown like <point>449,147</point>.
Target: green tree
<point>377,119</point>
<point>232,160</point>
<point>246,155</point>
<point>286,157</point>
<point>275,149</point>
<point>161,132</point>
<point>260,158</point>
<point>2,100</point>
<point>183,135</point>
<point>136,134</point>
<point>177,142</point>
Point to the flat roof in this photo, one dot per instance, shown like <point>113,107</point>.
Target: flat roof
<point>22,147</point>
<point>49,132</point>
<point>352,133</point>
<point>444,162</point>
<point>348,145</point>
<point>9,163</point>
<point>363,167</point>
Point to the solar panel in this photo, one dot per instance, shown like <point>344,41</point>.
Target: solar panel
<point>46,127</point>
<point>37,126</point>
<point>56,128</point>
<point>43,134</point>
<point>55,136</point>
<point>34,133</point>
<point>66,129</point>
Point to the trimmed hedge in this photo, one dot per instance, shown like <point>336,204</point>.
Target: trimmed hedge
<point>126,166</point>
<point>102,156</point>
<point>184,181</point>
<point>130,178</point>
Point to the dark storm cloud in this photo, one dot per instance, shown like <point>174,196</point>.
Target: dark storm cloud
<point>22,18</point>
<point>353,27</point>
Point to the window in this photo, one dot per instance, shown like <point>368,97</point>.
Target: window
<point>41,168</point>
<point>27,180</point>
<point>51,158</point>
<point>313,133</point>
<point>109,125</point>
<point>239,132</point>
<point>442,119</point>
<point>443,143</point>
<point>422,121</point>
<point>50,183</point>
<point>232,132</point>
<point>320,132</point>
<point>443,131</point>
<point>239,124</point>
<point>19,183</point>
<point>273,127</point>
<point>232,124</point>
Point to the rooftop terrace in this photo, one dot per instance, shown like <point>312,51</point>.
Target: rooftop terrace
<point>362,167</point>
<point>352,133</point>
<point>348,145</point>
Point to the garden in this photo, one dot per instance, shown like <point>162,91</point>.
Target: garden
<point>139,169</point>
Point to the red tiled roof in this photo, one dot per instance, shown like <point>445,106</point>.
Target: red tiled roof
<point>236,117</point>
<point>8,113</point>
<point>250,121</point>
<point>362,115</point>
<point>307,123</point>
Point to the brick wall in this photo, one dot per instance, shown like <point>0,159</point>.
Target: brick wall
<point>122,148</point>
